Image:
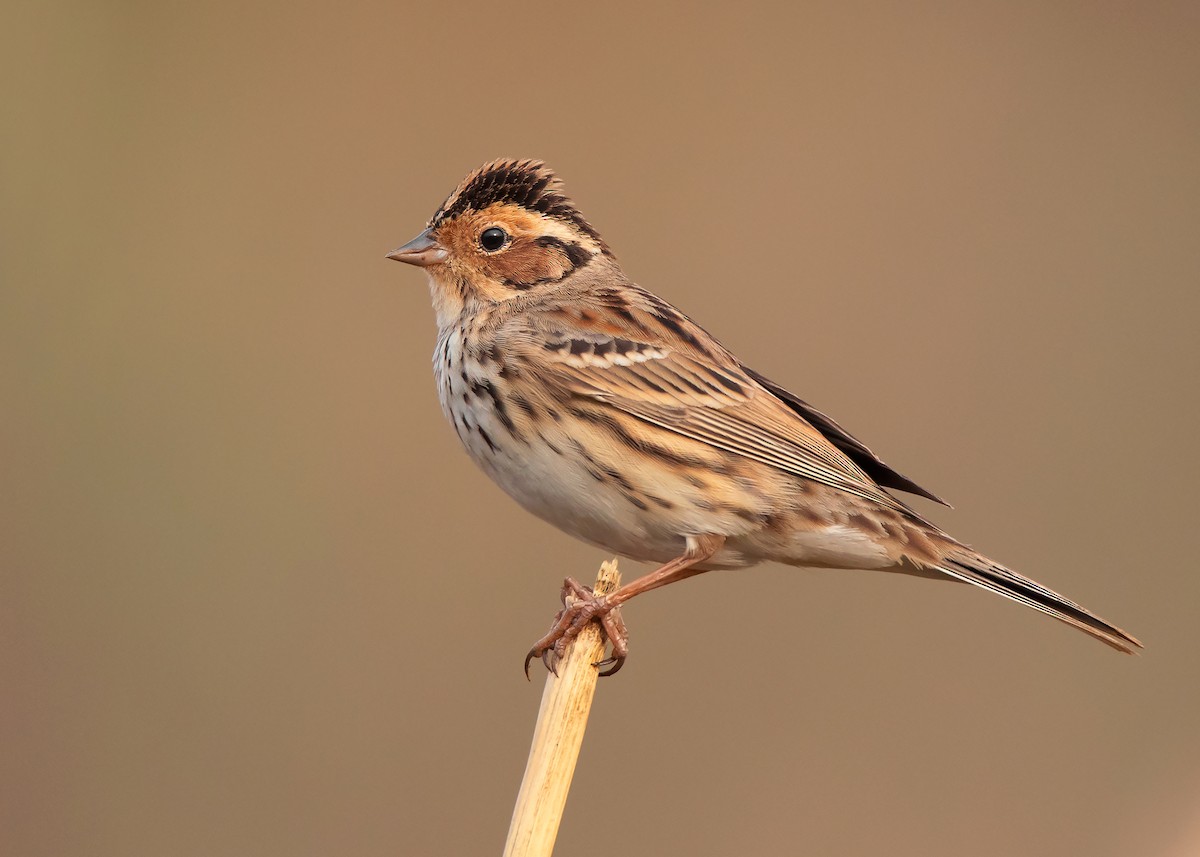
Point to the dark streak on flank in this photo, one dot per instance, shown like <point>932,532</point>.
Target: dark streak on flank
<point>611,472</point>
<point>724,467</point>
<point>491,354</point>
<point>616,476</point>
<point>748,515</point>
<point>613,427</point>
<point>525,405</point>
<point>635,501</point>
<point>583,453</point>
<point>459,429</point>
<point>487,439</point>
<point>485,388</point>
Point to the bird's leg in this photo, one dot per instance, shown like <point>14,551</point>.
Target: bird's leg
<point>581,606</point>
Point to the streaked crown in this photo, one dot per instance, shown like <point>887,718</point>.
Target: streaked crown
<point>529,184</point>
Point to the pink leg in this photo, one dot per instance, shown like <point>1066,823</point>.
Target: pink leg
<point>581,606</point>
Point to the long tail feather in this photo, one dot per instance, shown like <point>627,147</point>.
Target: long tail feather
<point>973,568</point>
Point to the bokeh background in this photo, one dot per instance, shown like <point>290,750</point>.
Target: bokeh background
<point>256,601</point>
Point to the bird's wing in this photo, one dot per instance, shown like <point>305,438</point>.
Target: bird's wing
<point>654,364</point>
<point>859,453</point>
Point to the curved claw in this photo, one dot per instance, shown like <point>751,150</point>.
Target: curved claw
<point>549,658</point>
<point>615,662</point>
<point>580,607</point>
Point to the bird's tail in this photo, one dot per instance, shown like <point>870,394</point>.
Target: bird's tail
<point>964,564</point>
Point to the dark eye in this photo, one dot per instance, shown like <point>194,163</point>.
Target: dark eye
<point>493,238</point>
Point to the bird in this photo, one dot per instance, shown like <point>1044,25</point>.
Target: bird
<point>605,411</point>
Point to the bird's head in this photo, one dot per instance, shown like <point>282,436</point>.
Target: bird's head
<point>505,231</point>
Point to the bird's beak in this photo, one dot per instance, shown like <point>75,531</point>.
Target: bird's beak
<point>422,251</point>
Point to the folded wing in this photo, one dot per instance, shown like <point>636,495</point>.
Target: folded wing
<point>668,373</point>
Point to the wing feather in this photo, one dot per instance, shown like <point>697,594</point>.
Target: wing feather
<point>872,464</point>
<point>683,383</point>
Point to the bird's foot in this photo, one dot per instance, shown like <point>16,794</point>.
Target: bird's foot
<point>581,606</point>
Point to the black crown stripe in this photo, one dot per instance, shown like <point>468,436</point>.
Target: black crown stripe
<point>529,184</point>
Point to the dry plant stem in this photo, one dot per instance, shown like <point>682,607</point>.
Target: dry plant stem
<point>557,737</point>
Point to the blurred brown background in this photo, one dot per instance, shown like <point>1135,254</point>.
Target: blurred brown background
<point>256,601</point>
